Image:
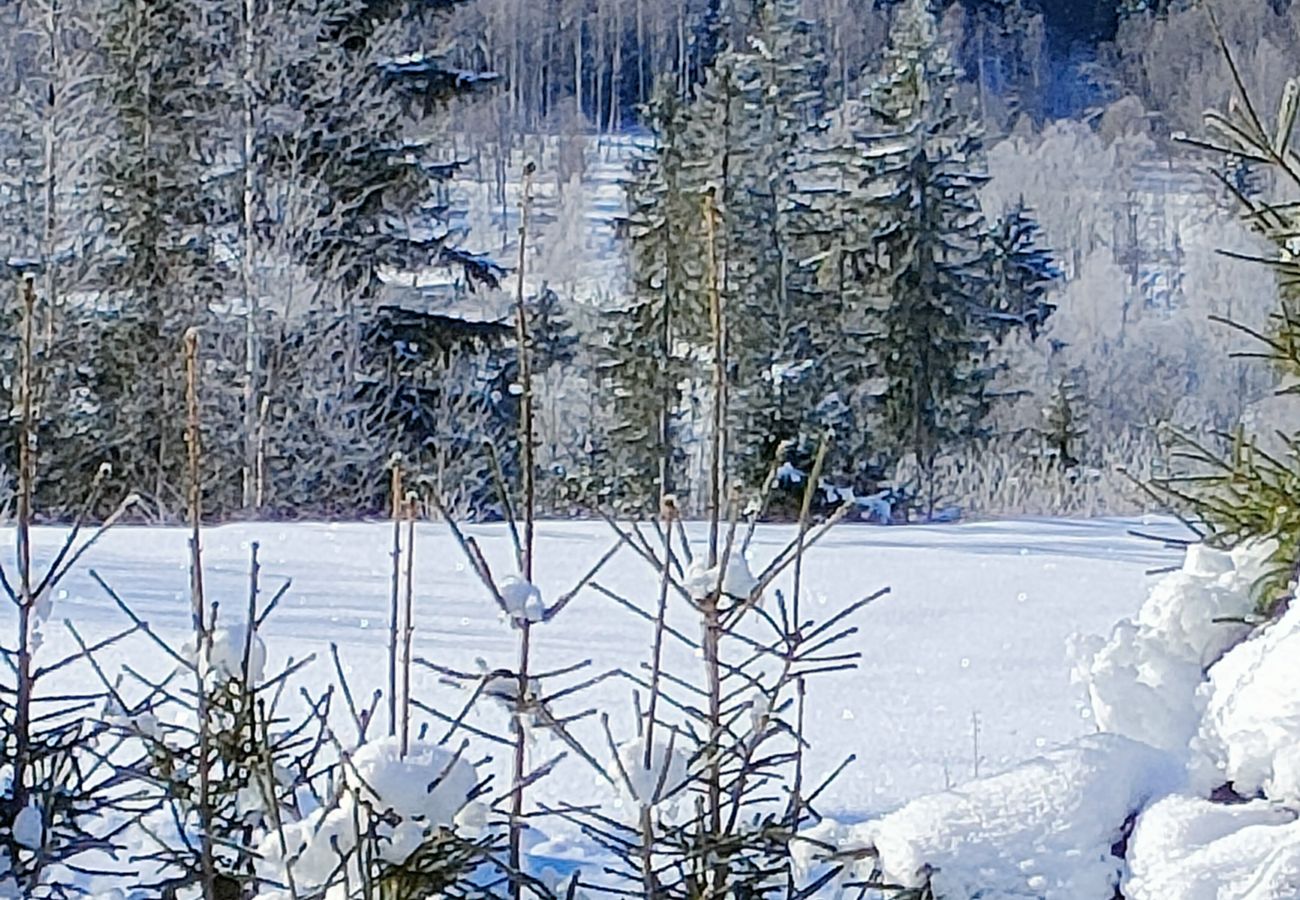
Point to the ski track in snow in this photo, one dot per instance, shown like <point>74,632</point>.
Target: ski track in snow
<point>975,626</point>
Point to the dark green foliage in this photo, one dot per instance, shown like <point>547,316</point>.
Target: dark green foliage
<point>555,343</point>
<point>652,339</point>
<point>1246,494</point>
<point>936,325</point>
<point>1252,491</point>
<point>437,389</point>
<point>339,191</point>
<point>1021,274</point>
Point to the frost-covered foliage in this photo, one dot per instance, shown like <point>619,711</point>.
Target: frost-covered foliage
<point>1138,239</point>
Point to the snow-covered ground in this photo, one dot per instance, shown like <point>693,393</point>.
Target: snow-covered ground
<point>964,663</point>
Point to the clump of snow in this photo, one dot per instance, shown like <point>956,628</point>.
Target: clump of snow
<point>522,599</point>
<point>1142,681</point>
<point>1186,848</point>
<point>428,789</point>
<point>661,781</point>
<point>1250,732</point>
<point>28,827</point>
<point>1044,829</point>
<point>738,583</point>
<point>226,654</point>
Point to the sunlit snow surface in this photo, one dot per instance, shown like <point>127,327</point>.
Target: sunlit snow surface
<point>971,639</point>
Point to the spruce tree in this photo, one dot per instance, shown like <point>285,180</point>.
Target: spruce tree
<point>651,338</point>
<point>735,150</point>
<point>1245,486</point>
<point>169,196</point>
<point>1020,273</point>
<point>776,332</point>
<point>935,327</point>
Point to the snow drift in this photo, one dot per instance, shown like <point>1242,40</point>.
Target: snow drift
<point>1045,829</point>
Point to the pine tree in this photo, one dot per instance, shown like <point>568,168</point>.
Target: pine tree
<point>1250,491</point>
<point>775,323</point>
<point>741,139</point>
<point>169,197</point>
<point>935,327</point>
<point>1021,274</point>
<point>1064,425</point>
<point>652,337</point>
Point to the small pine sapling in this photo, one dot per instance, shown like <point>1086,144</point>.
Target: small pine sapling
<point>520,690</point>
<point>55,787</point>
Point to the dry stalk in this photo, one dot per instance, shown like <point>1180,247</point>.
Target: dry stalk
<point>202,626</point>
<point>408,621</point>
<point>394,608</point>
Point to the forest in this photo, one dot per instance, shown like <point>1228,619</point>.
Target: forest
<point>331,191</point>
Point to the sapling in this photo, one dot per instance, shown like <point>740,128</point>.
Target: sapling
<point>715,775</point>
<point>520,690</point>
<point>205,747</point>
<point>54,791</point>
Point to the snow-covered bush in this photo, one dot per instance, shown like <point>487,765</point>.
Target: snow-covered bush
<point>393,824</point>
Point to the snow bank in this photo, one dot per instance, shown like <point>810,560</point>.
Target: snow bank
<point>1249,734</point>
<point>1185,848</point>
<point>1142,681</point>
<point>428,789</point>
<point>1045,829</point>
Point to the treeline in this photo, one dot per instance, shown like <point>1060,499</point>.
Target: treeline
<point>252,170</point>
<point>282,177</point>
<point>862,288</point>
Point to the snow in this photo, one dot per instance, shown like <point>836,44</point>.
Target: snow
<point>1043,829</point>
<point>226,655</point>
<point>28,829</point>
<point>1249,735</point>
<point>426,790</point>
<point>1187,848</point>
<point>1142,681</point>
<point>523,600</point>
<point>976,622</point>
<point>661,781</point>
<point>739,583</point>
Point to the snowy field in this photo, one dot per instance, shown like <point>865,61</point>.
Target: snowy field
<point>964,663</point>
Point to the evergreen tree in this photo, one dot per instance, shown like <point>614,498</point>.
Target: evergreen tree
<point>1064,425</point>
<point>1250,491</point>
<point>555,343</point>
<point>935,327</point>
<point>753,118</point>
<point>654,335</point>
<point>1021,274</point>
<point>169,203</point>
<point>741,140</point>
